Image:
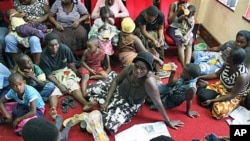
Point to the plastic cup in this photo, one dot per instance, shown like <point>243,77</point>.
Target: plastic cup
<point>167,67</point>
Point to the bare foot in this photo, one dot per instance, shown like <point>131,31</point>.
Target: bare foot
<point>89,105</point>
<point>53,112</point>
<point>85,94</point>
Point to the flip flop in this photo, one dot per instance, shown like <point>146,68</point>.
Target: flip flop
<point>70,101</point>
<point>77,118</point>
<point>65,106</point>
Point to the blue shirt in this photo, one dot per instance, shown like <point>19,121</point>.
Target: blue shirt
<point>30,94</point>
<point>4,75</point>
<point>181,85</point>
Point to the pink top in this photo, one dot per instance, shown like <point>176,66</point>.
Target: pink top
<point>118,9</point>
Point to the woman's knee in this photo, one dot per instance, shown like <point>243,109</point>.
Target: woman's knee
<point>11,43</point>
<point>50,85</point>
<point>35,44</point>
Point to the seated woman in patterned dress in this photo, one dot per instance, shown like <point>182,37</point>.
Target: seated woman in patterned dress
<point>227,93</point>
<point>122,96</point>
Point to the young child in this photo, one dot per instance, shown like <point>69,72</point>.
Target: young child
<point>29,103</point>
<point>21,29</point>
<point>106,32</point>
<point>175,92</point>
<point>184,31</point>
<point>35,77</point>
<point>92,60</point>
<point>40,129</point>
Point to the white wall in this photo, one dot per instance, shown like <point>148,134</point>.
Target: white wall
<point>219,20</point>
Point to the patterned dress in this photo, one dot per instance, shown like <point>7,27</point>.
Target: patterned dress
<point>33,11</point>
<point>227,82</point>
<point>125,102</point>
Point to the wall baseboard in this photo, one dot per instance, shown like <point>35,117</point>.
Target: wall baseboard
<point>210,40</point>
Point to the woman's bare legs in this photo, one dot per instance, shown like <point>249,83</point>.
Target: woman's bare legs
<point>188,54</point>
<point>181,54</point>
<point>77,94</point>
<point>108,66</point>
<point>53,101</point>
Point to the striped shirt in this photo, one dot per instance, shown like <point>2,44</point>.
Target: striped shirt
<point>229,80</point>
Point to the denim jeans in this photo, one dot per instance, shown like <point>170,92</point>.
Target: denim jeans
<point>47,90</point>
<point>3,33</point>
<point>4,75</point>
<point>163,88</point>
<point>12,44</point>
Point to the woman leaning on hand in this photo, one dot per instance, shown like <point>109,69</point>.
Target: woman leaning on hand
<point>122,96</point>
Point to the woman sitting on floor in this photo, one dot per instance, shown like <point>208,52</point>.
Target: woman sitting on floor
<point>122,96</point>
<point>226,94</point>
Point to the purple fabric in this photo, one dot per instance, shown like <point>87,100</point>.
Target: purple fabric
<point>171,33</point>
<point>32,29</point>
<point>66,19</point>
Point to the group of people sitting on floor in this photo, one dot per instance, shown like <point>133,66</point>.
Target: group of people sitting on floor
<point>53,71</point>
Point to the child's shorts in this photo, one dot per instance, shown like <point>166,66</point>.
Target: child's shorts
<point>83,71</point>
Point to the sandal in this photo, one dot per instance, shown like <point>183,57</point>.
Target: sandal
<point>70,101</point>
<point>65,106</point>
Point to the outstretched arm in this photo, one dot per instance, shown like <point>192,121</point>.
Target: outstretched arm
<point>123,10</point>
<point>172,14</point>
<point>153,93</point>
<point>213,75</point>
<point>31,113</point>
<point>4,111</point>
<point>96,11</point>
<point>117,80</point>
<point>190,94</point>
<point>240,83</point>
<point>58,84</point>
<point>140,47</point>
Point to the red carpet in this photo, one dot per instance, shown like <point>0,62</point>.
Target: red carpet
<point>193,128</point>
